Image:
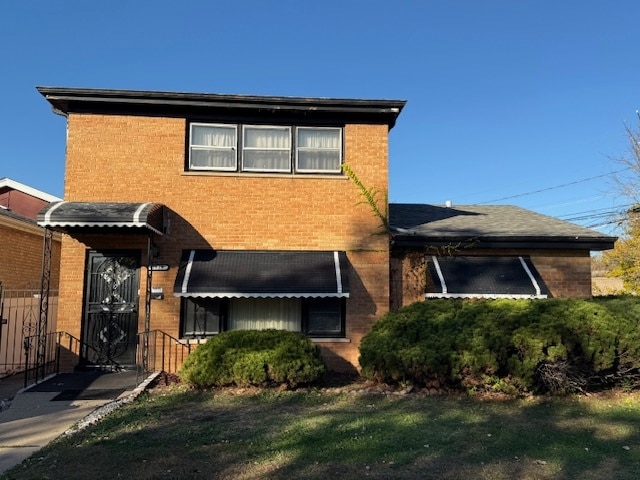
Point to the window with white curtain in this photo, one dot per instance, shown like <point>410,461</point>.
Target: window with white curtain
<point>318,149</point>
<point>316,317</point>
<point>213,147</point>
<point>266,148</point>
<point>265,313</point>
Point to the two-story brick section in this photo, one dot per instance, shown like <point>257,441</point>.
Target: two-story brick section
<point>240,205</point>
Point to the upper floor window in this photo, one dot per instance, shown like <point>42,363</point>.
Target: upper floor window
<point>265,148</point>
<point>213,147</point>
<point>318,149</point>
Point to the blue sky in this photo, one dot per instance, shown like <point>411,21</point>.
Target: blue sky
<point>504,98</point>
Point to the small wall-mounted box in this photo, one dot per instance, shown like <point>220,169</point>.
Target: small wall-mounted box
<point>157,293</point>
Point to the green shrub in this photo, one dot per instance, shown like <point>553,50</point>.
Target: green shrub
<point>541,345</point>
<point>254,357</point>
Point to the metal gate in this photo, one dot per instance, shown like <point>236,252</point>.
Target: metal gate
<point>111,309</point>
<point>19,315</point>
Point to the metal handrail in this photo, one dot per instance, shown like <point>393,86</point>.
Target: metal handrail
<point>165,352</point>
<point>50,363</point>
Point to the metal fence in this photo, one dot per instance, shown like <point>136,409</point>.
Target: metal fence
<point>163,352</point>
<point>19,317</point>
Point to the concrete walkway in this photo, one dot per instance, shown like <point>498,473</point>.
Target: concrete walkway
<point>43,412</point>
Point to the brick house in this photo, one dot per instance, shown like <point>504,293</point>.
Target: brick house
<point>238,203</point>
<point>21,252</point>
<point>191,214</point>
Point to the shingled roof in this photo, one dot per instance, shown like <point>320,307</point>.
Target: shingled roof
<point>490,226</point>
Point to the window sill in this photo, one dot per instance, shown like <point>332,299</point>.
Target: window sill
<point>329,340</point>
<point>316,176</point>
<point>192,341</point>
<point>200,341</point>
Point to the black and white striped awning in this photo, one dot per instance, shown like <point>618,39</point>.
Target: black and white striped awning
<point>483,277</point>
<point>82,216</point>
<point>262,274</point>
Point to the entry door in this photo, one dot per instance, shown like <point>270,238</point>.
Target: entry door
<point>111,308</point>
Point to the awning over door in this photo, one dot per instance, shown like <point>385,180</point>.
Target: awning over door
<point>70,216</point>
<point>262,274</point>
<point>483,277</point>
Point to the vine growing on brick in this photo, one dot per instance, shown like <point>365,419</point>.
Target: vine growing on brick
<point>371,198</point>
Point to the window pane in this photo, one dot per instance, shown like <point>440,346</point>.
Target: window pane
<point>213,158</point>
<point>266,138</point>
<point>264,313</point>
<point>318,160</point>
<point>213,136</point>
<point>318,149</point>
<point>318,138</point>
<point>264,160</point>
<point>324,317</point>
<point>201,317</point>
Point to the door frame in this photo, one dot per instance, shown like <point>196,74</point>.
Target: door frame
<point>131,352</point>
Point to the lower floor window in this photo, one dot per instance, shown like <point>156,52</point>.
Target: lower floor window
<point>319,317</point>
<point>201,317</point>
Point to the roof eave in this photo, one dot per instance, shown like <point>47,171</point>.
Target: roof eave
<point>522,242</point>
<point>67,100</point>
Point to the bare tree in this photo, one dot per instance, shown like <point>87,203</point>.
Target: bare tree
<point>627,178</point>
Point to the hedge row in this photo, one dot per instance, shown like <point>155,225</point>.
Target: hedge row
<point>515,345</point>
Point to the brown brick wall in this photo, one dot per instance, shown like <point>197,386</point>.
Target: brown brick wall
<point>141,159</point>
<point>567,273</point>
<point>21,255</point>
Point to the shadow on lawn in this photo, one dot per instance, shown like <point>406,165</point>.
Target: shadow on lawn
<point>313,435</point>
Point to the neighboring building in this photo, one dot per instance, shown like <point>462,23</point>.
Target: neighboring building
<point>21,254</point>
<point>488,251</point>
<point>192,214</point>
<point>239,201</point>
<point>23,199</point>
<point>21,251</point>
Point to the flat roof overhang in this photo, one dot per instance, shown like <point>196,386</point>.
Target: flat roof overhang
<point>202,105</point>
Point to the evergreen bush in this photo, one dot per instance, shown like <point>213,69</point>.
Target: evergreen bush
<point>558,345</point>
<point>254,357</point>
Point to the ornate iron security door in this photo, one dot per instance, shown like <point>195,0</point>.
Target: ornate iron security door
<point>111,309</point>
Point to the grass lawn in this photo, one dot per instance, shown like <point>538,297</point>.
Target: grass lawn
<point>323,434</point>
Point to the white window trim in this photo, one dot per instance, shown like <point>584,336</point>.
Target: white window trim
<point>339,150</point>
<point>234,168</point>
<point>270,127</point>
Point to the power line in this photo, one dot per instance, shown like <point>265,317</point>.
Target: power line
<point>554,187</point>
<point>599,212</point>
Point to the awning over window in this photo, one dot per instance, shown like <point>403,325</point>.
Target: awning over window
<point>69,216</point>
<point>261,274</point>
<point>483,277</point>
